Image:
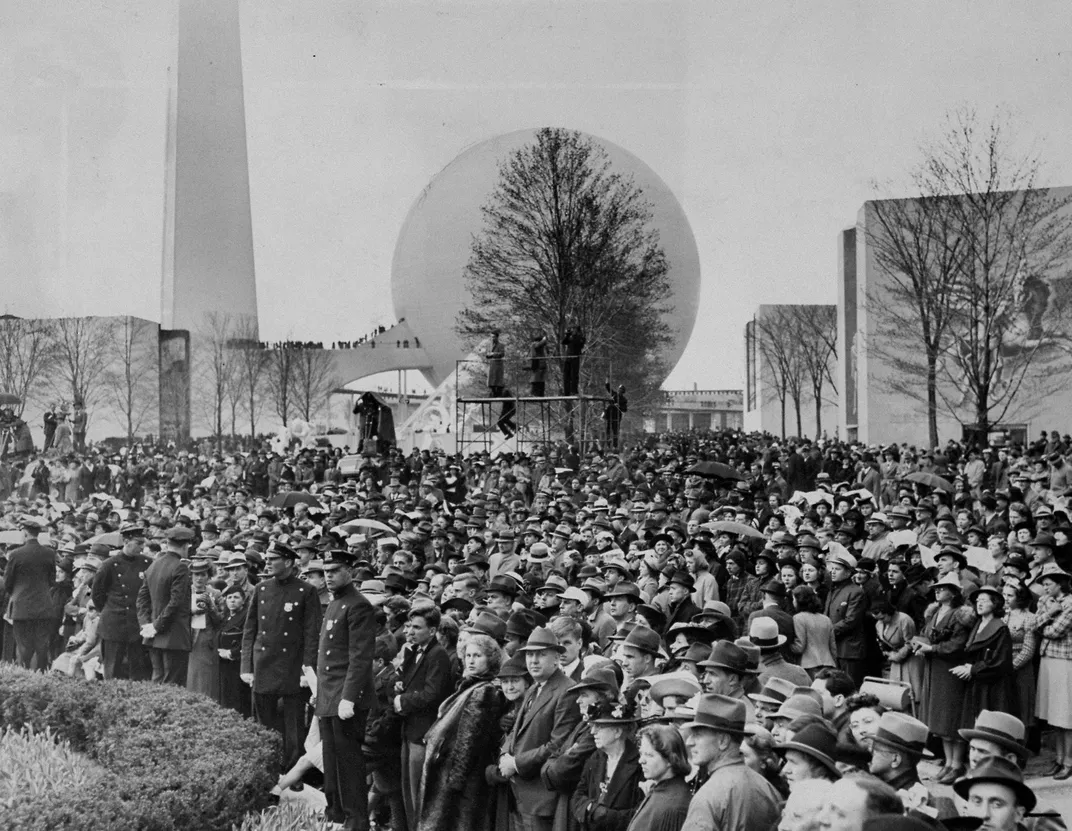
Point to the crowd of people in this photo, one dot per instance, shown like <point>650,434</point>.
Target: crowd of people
<point>706,631</point>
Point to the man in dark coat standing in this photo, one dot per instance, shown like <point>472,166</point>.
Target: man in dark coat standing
<point>572,347</point>
<point>165,611</point>
<point>278,643</point>
<point>345,692</point>
<point>546,719</point>
<point>424,682</point>
<point>847,607</point>
<point>30,574</point>
<point>115,594</point>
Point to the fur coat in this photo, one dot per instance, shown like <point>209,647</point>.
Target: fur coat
<point>461,743</point>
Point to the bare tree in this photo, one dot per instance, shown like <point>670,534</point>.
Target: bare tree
<point>27,355</point>
<point>781,364</point>
<point>1017,239</point>
<point>815,330</point>
<point>965,301</point>
<point>131,379</point>
<point>311,381</point>
<point>253,361</point>
<point>279,379</point>
<point>215,369</point>
<point>83,349</point>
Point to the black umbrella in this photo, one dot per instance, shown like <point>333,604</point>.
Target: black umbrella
<point>930,480</point>
<point>292,498</point>
<point>716,470</point>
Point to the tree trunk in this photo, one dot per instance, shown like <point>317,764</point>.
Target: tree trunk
<point>818,414</point>
<point>783,417</point>
<point>800,426</point>
<point>932,397</point>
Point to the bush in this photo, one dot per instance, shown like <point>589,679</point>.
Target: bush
<point>287,816</point>
<point>170,760</point>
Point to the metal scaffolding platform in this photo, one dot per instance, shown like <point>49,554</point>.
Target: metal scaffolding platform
<point>538,422</point>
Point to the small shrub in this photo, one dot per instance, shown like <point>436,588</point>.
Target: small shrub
<point>287,816</point>
<point>34,764</point>
<point>171,760</point>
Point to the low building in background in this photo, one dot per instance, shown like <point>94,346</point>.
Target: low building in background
<point>697,409</point>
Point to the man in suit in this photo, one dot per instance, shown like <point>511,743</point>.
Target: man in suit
<point>546,720</point>
<point>424,682</point>
<point>847,606</point>
<point>345,691</point>
<point>165,611</point>
<point>278,643</point>
<point>115,594</point>
<point>30,575</point>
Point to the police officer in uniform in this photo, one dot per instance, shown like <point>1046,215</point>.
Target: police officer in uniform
<point>30,574</point>
<point>115,593</point>
<point>164,610</point>
<point>278,642</point>
<point>345,692</point>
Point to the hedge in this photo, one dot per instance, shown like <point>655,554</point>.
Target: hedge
<point>171,760</point>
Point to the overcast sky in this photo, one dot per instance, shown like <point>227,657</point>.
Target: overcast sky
<point>769,121</point>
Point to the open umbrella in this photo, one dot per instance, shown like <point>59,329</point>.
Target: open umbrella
<point>8,399</point>
<point>738,528</point>
<point>292,498</point>
<point>357,526</point>
<point>716,470</point>
<point>931,480</point>
<point>112,539</point>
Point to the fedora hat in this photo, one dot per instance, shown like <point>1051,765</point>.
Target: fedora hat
<point>542,638</point>
<point>490,624</point>
<point>1044,538</point>
<point>571,593</point>
<point>817,742</point>
<point>625,589</point>
<point>618,563</point>
<point>696,653</point>
<point>763,632</point>
<point>721,713</point>
<point>1002,729</point>
<point>955,552</point>
<point>692,631</point>
<point>682,578</point>
<point>521,623</point>
<point>714,610</point>
<point>655,616</point>
<point>502,585</point>
<point>1054,571</point>
<point>644,639</point>
<point>797,705</point>
<point>900,731</point>
<point>1001,771</point>
<point>774,692</point>
<point>599,677</point>
<point>539,552</point>
<point>775,588</point>
<point>728,656</point>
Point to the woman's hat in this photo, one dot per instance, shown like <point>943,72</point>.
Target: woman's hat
<point>719,712</point>
<point>1001,771</point>
<point>514,668</point>
<point>1053,571</point>
<point>817,742</point>
<point>1002,729</point>
<point>992,590</point>
<point>682,685</point>
<point>948,581</point>
<point>613,712</point>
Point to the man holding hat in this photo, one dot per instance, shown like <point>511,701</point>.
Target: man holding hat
<point>279,644</point>
<point>164,610</point>
<point>345,692</point>
<point>28,580</point>
<point>545,721</point>
<point>734,797</point>
<point>115,593</point>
